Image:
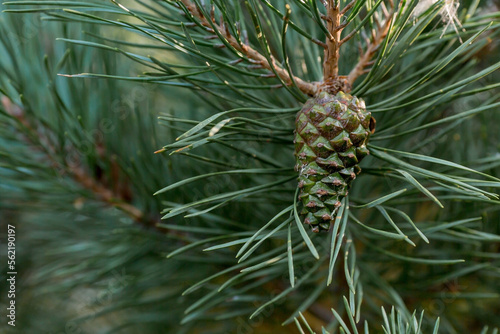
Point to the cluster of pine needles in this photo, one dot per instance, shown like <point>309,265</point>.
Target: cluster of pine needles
<point>146,159</point>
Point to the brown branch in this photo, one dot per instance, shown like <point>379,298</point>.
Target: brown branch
<point>348,37</point>
<point>324,17</point>
<point>106,195</point>
<point>332,51</point>
<point>373,45</point>
<point>74,170</point>
<point>342,26</point>
<point>320,43</point>
<point>332,81</point>
<point>306,87</point>
<point>347,7</point>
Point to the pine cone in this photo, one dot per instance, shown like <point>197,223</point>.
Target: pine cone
<point>331,132</point>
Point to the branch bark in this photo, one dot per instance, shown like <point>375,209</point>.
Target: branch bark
<point>332,51</point>
<point>332,82</point>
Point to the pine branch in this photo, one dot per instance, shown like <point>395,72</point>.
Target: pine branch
<point>306,87</point>
<point>332,51</point>
<point>107,195</point>
<point>74,170</point>
<point>331,80</point>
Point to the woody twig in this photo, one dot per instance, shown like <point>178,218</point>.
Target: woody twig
<point>373,45</point>
<point>332,81</point>
<point>332,50</point>
<point>74,170</point>
<point>257,58</point>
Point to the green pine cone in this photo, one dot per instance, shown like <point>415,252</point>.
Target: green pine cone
<point>331,132</point>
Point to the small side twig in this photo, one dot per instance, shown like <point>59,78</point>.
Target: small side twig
<point>308,88</point>
<point>348,37</point>
<point>347,7</point>
<point>373,45</point>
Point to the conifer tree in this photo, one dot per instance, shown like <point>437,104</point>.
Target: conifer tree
<point>251,166</point>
